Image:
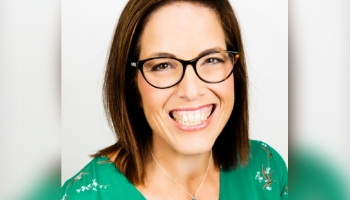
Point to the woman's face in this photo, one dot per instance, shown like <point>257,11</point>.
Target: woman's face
<point>185,30</point>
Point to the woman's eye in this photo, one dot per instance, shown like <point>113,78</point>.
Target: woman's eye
<point>212,61</point>
<point>161,66</point>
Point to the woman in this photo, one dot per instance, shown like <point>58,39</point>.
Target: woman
<point>175,92</point>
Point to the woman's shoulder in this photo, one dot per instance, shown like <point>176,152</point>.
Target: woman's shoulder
<point>99,179</point>
<point>261,151</point>
<point>267,163</point>
<point>265,175</point>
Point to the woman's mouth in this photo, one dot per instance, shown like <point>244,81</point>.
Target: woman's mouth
<point>192,117</point>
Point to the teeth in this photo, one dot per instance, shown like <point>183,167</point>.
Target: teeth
<point>191,117</point>
<point>203,116</point>
<point>183,117</point>
<point>197,117</point>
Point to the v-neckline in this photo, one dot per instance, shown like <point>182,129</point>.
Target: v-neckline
<point>141,195</point>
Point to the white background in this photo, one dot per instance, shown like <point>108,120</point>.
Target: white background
<point>87,29</point>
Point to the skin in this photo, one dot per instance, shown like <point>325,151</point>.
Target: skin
<point>184,154</point>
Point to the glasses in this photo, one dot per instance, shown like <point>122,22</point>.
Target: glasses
<point>165,72</point>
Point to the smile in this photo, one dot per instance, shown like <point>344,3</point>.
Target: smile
<point>192,117</point>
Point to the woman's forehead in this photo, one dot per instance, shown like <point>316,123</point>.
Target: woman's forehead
<point>183,29</point>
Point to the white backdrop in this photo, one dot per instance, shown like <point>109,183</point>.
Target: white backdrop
<point>87,29</point>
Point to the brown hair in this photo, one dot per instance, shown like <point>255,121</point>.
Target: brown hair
<point>121,96</point>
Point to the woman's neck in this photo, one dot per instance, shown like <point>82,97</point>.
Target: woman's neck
<point>181,166</point>
<point>192,172</point>
<point>176,165</point>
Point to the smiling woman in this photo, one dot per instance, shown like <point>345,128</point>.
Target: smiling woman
<point>175,93</point>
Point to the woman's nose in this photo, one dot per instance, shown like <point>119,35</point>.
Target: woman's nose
<point>190,87</point>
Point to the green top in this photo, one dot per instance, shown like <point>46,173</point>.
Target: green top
<point>265,177</point>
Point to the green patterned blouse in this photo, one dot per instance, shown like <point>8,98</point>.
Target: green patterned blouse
<point>265,177</point>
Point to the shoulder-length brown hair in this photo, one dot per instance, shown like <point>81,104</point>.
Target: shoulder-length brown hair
<point>121,96</point>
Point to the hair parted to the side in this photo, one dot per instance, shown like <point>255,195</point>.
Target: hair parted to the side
<point>121,97</point>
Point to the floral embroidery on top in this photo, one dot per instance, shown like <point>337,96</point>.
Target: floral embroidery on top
<point>104,162</point>
<point>81,174</point>
<point>267,175</point>
<point>94,185</point>
<point>266,172</point>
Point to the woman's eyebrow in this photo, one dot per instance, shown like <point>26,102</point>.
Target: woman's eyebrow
<point>165,54</point>
<point>209,51</point>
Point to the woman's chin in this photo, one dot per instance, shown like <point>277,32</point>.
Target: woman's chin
<point>193,148</point>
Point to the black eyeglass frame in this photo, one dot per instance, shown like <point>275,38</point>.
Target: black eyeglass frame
<point>185,63</point>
